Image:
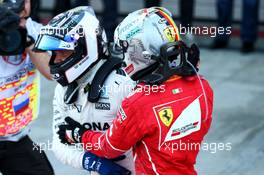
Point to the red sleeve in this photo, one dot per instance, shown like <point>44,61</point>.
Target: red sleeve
<point>124,132</point>
<point>210,98</point>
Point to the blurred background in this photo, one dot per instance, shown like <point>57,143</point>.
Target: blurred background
<point>234,65</point>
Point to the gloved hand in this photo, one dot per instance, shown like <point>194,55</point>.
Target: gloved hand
<point>8,20</point>
<point>71,131</point>
<point>103,166</point>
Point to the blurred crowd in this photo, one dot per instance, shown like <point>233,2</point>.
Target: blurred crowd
<point>249,19</point>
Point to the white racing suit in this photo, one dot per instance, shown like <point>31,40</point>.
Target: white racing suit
<point>95,116</point>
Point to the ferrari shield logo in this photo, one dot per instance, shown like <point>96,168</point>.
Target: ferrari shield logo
<point>166,115</point>
<point>170,34</point>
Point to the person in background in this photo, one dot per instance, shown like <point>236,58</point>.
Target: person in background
<point>19,90</point>
<point>110,17</point>
<point>61,6</point>
<point>152,3</point>
<point>186,12</point>
<point>78,3</point>
<point>64,5</point>
<point>35,8</point>
<point>248,26</point>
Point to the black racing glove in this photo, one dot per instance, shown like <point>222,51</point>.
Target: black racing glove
<point>8,20</point>
<point>71,132</point>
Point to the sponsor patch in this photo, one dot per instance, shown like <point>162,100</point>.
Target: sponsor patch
<point>97,126</point>
<point>162,21</point>
<point>184,129</point>
<point>73,107</point>
<point>102,106</point>
<point>176,91</point>
<point>121,115</point>
<point>133,32</point>
<point>129,69</point>
<point>104,92</point>
<point>166,115</point>
<point>188,122</point>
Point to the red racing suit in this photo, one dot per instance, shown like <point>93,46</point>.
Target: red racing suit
<point>165,125</point>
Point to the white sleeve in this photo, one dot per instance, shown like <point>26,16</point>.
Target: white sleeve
<point>33,28</point>
<point>69,155</point>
